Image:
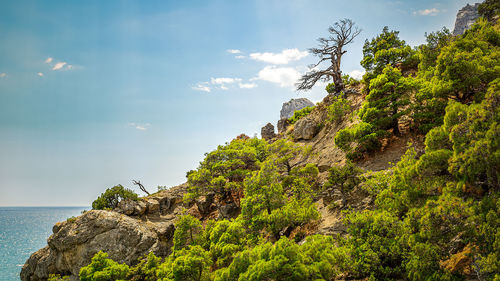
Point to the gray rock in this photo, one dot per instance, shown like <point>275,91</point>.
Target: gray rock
<point>267,132</point>
<point>127,233</point>
<point>291,106</point>
<point>229,210</point>
<point>305,129</point>
<point>282,125</point>
<point>124,238</point>
<point>466,18</point>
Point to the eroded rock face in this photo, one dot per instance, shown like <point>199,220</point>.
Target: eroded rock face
<point>127,233</point>
<point>267,132</point>
<point>465,18</point>
<point>305,129</point>
<point>291,106</point>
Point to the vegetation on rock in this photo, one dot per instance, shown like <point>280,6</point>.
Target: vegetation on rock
<point>436,215</point>
<point>112,196</point>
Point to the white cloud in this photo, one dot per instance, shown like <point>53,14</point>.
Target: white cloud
<point>284,57</point>
<point>247,85</point>
<point>49,60</point>
<point>233,51</point>
<point>59,65</point>
<point>284,76</point>
<point>224,80</point>
<point>201,87</point>
<point>427,12</point>
<point>3,74</point>
<point>239,57</point>
<point>139,126</point>
<point>357,74</point>
<point>40,74</point>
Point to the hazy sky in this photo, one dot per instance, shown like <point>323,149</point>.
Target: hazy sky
<point>97,93</point>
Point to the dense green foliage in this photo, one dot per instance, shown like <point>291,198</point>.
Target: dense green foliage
<point>386,49</point>
<point>103,269</point>
<point>297,114</point>
<point>338,109</point>
<point>436,215</point>
<point>489,9</point>
<point>112,196</point>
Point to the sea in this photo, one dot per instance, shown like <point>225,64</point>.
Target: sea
<point>24,230</point>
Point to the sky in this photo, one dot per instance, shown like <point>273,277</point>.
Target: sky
<point>99,93</point>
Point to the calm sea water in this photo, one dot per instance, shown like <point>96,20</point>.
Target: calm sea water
<point>23,230</point>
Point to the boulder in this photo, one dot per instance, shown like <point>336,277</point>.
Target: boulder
<point>267,132</point>
<point>229,210</point>
<point>465,18</point>
<point>305,128</point>
<point>292,105</point>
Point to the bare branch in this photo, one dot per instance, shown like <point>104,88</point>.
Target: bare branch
<point>140,186</point>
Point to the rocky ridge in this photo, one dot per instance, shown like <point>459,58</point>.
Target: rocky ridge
<point>465,18</point>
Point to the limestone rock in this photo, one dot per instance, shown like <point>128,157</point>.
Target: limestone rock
<point>267,132</point>
<point>465,18</point>
<point>291,106</point>
<point>305,129</point>
<point>127,233</point>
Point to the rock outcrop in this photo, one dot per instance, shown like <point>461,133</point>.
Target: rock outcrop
<point>292,105</point>
<point>305,129</point>
<point>127,233</point>
<point>465,18</point>
<point>267,132</point>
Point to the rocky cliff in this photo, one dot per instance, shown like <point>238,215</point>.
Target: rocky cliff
<point>126,233</point>
<point>465,18</point>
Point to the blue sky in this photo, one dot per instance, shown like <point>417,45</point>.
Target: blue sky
<point>97,93</point>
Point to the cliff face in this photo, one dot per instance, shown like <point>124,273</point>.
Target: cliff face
<point>465,18</point>
<point>127,233</point>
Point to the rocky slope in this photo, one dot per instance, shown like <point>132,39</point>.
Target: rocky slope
<point>136,228</point>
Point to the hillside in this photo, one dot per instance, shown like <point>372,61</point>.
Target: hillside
<point>394,177</point>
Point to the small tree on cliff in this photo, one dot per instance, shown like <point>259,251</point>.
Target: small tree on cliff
<point>330,49</point>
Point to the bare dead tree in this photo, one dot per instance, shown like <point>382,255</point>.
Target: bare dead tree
<point>140,186</point>
<point>330,49</point>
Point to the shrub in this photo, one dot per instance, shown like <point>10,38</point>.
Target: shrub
<point>103,269</point>
<point>345,177</point>
<point>57,277</point>
<point>330,88</point>
<point>338,109</point>
<point>348,80</point>
<point>300,113</point>
<point>112,196</point>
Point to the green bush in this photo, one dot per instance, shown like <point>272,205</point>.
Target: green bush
<point>348,80</point>
<point>344,177</point>
<point>103,269</point>
<point>298,114</point>
<point>330,88</point>
<point>112,196</point>
<point>57,277</point>
<point>338,109</point>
